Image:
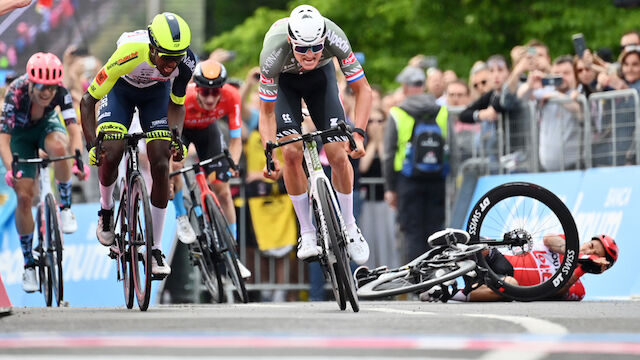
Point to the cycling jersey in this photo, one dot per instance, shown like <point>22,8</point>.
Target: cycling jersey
<point>277,57</point>
<point>539,265</point>
<point>229,104</point>
<point>16,111</point>
<point>130,62</point>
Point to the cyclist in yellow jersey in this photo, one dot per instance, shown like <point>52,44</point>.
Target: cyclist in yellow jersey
<point>138,75</point>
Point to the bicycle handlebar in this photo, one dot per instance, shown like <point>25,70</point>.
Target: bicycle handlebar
<point>196,166</point>
<point>44,162</point>
<point>132,139</point>
<point>341,129</point>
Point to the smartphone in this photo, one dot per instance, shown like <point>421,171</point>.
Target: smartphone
<point>552,80</point>
<point>579,44</point>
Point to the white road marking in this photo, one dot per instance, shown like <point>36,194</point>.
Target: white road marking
<point>404,312</point>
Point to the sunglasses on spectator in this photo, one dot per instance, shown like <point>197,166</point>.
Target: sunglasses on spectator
<point>481,82</point>
<point>303,49</point>
<point>43,87</point>
<point>208,91</point>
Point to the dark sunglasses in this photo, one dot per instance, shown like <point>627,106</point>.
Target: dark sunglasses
<point>482,82</point>
<point>208,91</point>
<point>304,49</point>
<point>43,87</point>
<point>171,58</point>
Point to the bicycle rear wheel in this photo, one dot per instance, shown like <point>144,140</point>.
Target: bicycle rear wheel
<point>227,247</point>
<point>205,259</point>
<point>530,212</point>
<point>54,248</point>
<point>335,232</point>
<point>421,276</point>
<point>140,241</point>
<point>123,257</point>
<point>44,272</point>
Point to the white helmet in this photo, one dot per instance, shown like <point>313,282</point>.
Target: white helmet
<point>306,26</point>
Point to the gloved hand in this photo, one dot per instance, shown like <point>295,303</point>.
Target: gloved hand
<point>93,158</point>
<point>81,174</point>
<point>179,151</point>
<point>8,177</point>
<point>592,264</point>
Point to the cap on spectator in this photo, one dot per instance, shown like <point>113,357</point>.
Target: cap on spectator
<point>411,75</point>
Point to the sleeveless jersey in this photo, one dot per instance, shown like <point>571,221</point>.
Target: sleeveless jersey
<point>199,118</point>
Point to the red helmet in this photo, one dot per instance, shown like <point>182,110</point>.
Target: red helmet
<point>610,248</point>
<point>44,68</point>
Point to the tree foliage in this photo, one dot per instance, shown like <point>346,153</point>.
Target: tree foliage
<point>457,32</point>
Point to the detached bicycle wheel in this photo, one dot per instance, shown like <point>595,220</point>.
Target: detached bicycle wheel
<point>123,258</point>
<point>140,241</point>
<point>205,258</point>
<point>227,247</point>
<point>513,218</point>
<point>44,272</point>
<point>338,242</point>
<point>54,248</point>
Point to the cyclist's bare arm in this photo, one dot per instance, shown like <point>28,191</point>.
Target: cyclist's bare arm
<point>555,243</point>
<point>235,149</point>
<point>267,128</point>
<point>175,116</point>
<point>362,92</point>
<point>5,150</point>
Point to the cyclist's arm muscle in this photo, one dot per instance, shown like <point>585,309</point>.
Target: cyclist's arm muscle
<point>69,116</point>
<point>362,91</point>
<point>175,116</point>
<point>555,243</point>
<point>235,124</point>
<point>88,117</point>
<point>5,150</point>
<point>267,122</point>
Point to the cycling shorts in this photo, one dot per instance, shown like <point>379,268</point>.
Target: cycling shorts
<point>319,90</point>
<point>208,143</point>
<point>27,140</point>
<point>152,102</point>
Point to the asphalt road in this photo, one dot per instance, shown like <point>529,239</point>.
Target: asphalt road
<point>304,330</point>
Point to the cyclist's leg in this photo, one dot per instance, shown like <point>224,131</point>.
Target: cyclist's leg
<point>288,119</point>
<point>184,230</point>
<point>326,111</point>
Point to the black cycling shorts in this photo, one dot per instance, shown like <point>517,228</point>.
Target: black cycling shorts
<point>208,142</point>
<point>319,90</point>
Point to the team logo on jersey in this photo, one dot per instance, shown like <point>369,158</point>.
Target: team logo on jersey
<point>101,77</point>
<point>127,58</point>
<point>337,40</point>
<point>191,63</point>
<point>349,60</point>
<point>266,80</point>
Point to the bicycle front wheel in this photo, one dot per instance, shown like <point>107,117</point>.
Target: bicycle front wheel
<point>54,248</point>
<point>336,234</point>
<point>524,212</point>
<point>140,241</point>
<point>123,257</point>
<point>227,247</point>
<point>44,272</point>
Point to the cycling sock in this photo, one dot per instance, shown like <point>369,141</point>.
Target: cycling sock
<point>26,243</point>
<point>178,204</point>
<point>106,196</point>
<point>64,188</point>
<point>233,228</point>
<point>346,207</point>
<point>157,214</point>
<point>459,296</point>
<point>303,212</point>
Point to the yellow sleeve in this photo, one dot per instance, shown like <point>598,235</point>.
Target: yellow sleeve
<point>122,62</point>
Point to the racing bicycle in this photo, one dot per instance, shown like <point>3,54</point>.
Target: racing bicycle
<point>332,235</point>
<point>133,223</point>
<point>50,237</point>
<point>510,218</point>
<point>215,248</point>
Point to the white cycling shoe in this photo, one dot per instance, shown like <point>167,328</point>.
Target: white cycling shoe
<point>29,280</point>
<point>308,246</point>
<point>244,272</point>
<point>68,223</point>
<point>159,264</point>
<point>185,232</point>
<point>357,246</point>
<point>448,237</point>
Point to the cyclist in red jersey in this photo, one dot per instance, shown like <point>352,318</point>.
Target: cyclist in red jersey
<point>596,256</point>
<point>208,99</point>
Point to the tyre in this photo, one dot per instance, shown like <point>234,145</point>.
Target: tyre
<point>335,233</point>
<point>205,259</point>
<point>54,248</point>
<point>421,276</point>
<point>140,241</point>
<point>226,247</point>
<point>123,257</point>
<point>44,273</point>
<point>521,214</point>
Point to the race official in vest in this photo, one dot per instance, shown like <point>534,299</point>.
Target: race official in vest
<point>419,199</point>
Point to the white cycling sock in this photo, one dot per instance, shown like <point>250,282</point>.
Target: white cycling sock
<point>303,211</point>
<point>346,208</point>
<point>106,196</point>
<point>157,214</point>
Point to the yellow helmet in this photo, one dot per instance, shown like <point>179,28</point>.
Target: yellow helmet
<point>170,34</point>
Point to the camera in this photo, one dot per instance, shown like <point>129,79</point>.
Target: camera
<point>552,80</point>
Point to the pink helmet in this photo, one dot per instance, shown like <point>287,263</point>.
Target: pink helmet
<point>44,68</point>
<point>610,248</point>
